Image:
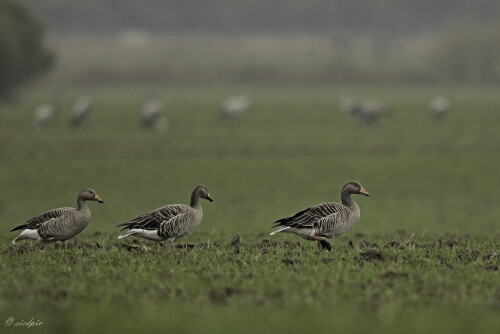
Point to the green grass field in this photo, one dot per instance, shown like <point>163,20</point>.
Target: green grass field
<point>423,257</point>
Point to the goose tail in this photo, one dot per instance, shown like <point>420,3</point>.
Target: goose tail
<point>281,229</point>
<point>126,234</point>
<point>20,227</point>
<point>27,234</point>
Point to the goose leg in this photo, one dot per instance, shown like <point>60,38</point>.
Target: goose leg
<point>325,244</point>
<point>322,242</point>
<point>315,237</point>
<point>318,246</point>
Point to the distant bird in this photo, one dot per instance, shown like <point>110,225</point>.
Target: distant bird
<point>235,106</point>
<point>324,221</point>
<point>59,224</point>
<point>151,115</point>
<point>81,110</point>
<point>44,115</point>
<point>169,222</point>
<point>439,106</point>
<point>364,112</point>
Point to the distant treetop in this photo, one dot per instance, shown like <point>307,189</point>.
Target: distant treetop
<point>22,53</point>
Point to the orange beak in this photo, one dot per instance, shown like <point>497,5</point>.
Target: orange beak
<point>363,192</point>
<point>99,199</point>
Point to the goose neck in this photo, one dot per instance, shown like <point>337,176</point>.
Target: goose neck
<point>195,200</point>
<point>81,203</point>
<point>346,198</point>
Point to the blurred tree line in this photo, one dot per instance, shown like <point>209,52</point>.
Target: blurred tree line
<point>22,53</point>
<point>466,51</point>
<point>461,36</point>
<point>465,33</point>
<point>395,17</point>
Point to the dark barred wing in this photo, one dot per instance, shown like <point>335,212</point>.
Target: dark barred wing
<point>35,222</point>
<point>177,226</point>
<point>309,217</point>
<point>331,223</point>
<point>152,220</point>
<point>58,227</point>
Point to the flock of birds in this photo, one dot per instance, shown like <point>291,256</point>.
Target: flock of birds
<point>369,112</point>
<point>80,111</point>
<point>316,223</point>
<point>151,113</point>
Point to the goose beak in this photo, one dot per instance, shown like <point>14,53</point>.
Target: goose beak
<point>99,199</point>
<point>209,198</point>
<point>363,192</point>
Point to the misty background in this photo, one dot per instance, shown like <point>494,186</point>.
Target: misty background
<point>116,41</point>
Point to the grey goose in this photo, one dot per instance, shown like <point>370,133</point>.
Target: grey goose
<point>170,221</point>
<point>44,115</point>
<point>324,221</point>
<point>364,112</point>
<point>235,106</point>
<point>59,224</point>
<point>439,107</point>
<point>151,115</point>
<point>81,110</point>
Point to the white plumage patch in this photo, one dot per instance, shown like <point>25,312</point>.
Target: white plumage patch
<point>27,234</point>
<point>281,229</point>
<point>146,234</point>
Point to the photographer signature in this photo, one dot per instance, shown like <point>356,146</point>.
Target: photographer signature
<point>22,323</point>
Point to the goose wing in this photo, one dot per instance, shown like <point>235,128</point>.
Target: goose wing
<point>153,219</point>
<point>310,217</point>
<point>62,226</point>
<point>35,222</point>
<point>178,225</point>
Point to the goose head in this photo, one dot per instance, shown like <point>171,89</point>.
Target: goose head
<point>202,192</point>
<point>354,187</point>
<point>90,195</point>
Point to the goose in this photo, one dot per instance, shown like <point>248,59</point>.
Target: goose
<point>151,115</point>
<point>324,221</point>
<point>81,110</point>
<point>235,105</point>
<point>44,115</point>
<point>59,224</point>
<point>170,221</point>
<point>439,107</point>
<point>364,112</point>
